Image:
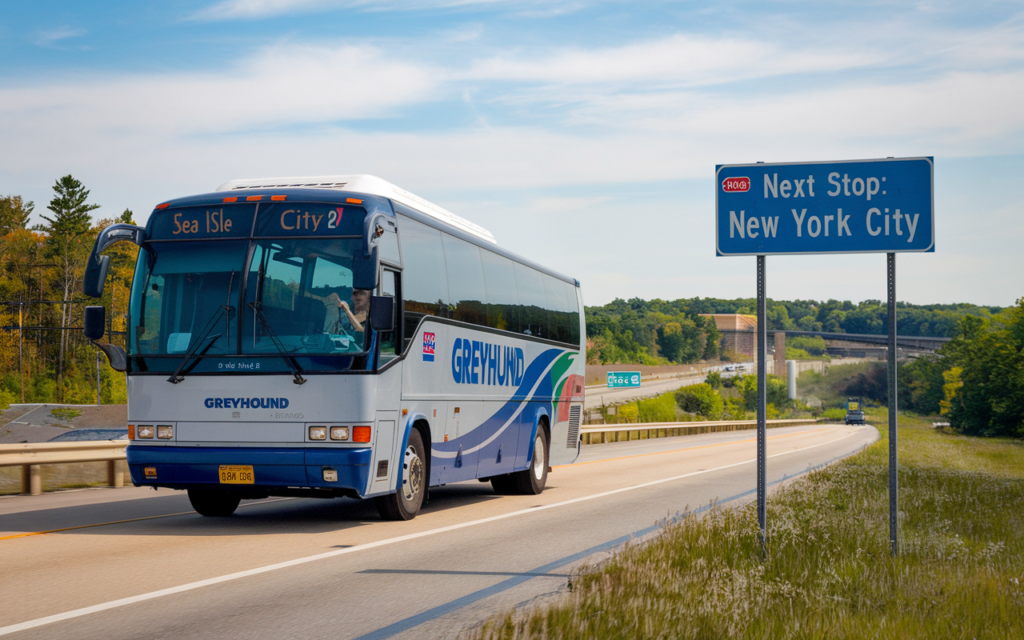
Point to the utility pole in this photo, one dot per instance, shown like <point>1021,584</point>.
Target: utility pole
<point>21,348</point>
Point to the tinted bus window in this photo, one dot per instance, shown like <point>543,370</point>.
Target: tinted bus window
<point>534,317</point>
<point>502,296</point>
<point>558,307</point>
<point>465,281</point>
<point>574,312</point>
<point>425,282</point>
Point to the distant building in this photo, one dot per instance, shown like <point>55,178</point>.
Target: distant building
<point>739,333</point>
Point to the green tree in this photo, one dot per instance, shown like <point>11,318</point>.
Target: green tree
<point>777,393</point>
<point>990,354</point>
<point>920,385</point>
<point>68,244</point>
<point>14,213</point>
<point>670,341</point>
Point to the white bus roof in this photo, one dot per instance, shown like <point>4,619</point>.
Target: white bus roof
<point>362,183</point>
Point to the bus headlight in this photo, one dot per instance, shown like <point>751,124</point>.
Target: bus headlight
<point>145,431</point>
<point>339,433</point>
<point>164,431</point>
<point>318,433</point>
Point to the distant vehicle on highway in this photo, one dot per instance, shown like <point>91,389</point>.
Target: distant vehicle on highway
<point>854,413</point>
<point>339,336</point>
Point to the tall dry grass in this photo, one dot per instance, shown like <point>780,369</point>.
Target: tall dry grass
<point>828,572</point>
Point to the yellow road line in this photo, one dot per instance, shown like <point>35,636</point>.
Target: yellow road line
<point>98,524</point>
<point>103,524</point>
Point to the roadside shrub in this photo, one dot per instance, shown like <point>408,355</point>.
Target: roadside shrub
<point>7,398</point>
<point>834,414</point>
<point>629,413</point>
<point>714,379</point>
<point>660,409</point>
<point>701,399</point>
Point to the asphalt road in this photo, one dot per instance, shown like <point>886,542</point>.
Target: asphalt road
<point>134,563</point>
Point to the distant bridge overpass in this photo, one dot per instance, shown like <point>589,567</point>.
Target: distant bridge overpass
<point>865,345</point>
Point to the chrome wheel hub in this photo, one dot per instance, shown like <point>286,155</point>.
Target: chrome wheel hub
<point>412,481</point>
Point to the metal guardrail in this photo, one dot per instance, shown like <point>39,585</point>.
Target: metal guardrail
<point>594,434</point>
<point>30,457</point>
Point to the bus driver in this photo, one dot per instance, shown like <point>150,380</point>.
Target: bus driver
<point>353,316</point>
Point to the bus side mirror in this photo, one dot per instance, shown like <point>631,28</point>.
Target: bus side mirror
<point>94,320</point>
<point>95,275</point>
<point>96,267</point>
<point>382,313</point>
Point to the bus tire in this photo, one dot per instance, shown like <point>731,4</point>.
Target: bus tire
<point>212,503</point>
<point>531,481</point>
<point>405,503</point>
<point>504,485</point>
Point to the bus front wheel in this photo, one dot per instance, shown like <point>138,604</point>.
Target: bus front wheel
<point>405,503</point>
<point>213,503</point>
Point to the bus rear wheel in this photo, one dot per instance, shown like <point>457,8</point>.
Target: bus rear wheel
<point>212,503</point>
<point>405,503</point>
<point>531,481</point>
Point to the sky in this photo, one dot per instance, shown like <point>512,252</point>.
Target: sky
<point>583,134</point>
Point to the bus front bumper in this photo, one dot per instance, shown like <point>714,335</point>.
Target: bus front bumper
<point>273,468</point>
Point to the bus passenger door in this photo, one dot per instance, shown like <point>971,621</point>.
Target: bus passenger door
<point>387,440</point>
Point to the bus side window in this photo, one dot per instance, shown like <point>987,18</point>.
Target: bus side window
<point>390,346</point>
<point>425,287</point>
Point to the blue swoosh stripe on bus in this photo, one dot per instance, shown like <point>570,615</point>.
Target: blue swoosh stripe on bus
<point>533,380</point>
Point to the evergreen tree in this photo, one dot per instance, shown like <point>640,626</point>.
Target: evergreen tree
<point>14,213</point>
<point>68,243</point>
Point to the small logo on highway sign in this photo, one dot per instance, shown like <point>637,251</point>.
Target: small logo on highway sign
<point>733,185</point>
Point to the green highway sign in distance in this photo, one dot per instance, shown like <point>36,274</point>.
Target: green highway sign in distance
<point>623,378</point>
<point>855,206</point>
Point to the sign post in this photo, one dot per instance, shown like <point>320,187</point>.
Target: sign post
<point>762,402</point>
<point>857,206</point>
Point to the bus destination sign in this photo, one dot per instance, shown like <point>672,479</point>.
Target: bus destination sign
<point>858,206</point>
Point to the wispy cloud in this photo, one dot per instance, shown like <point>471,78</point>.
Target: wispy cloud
<point>281,86</point>
<point>52,36</point>
<point>677,60</point>
<point>258,9</point>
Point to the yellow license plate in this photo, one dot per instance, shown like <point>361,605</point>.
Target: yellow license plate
<point>237,474</point>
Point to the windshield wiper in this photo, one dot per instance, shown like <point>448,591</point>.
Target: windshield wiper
<point>257,308</point>
<point>203,340</point>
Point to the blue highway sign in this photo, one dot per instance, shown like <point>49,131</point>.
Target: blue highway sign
<point>856,206</point>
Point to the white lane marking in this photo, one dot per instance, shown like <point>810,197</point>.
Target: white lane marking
<point>77,613</point>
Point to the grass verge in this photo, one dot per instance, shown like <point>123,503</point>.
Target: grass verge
<point>828,572</point>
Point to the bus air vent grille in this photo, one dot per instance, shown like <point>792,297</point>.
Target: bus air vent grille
<point>574,427</point>
<point>290,185</point>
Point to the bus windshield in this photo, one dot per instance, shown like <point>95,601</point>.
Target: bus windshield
<point>298,298</point>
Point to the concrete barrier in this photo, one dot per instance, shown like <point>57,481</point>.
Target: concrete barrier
<point>595,434</point>
<point>30,457</point>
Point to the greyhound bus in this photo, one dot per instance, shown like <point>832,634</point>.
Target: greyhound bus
<point>339,336</point>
